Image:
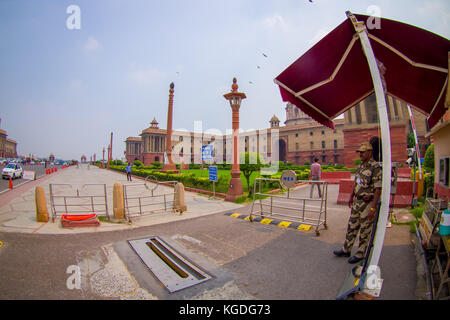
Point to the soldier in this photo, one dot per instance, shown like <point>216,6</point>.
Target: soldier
<point>363,202</point>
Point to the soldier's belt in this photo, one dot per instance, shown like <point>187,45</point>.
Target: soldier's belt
<point>367,198</point>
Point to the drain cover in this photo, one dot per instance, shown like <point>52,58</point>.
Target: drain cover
<point>174,271</point>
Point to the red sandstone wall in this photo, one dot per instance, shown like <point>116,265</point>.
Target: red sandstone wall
<point>353,138</point>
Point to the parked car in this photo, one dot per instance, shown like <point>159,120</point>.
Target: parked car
<point>12,170</point>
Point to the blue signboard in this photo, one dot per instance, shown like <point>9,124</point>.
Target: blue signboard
<point>213,173</point>
<point>207,152</point>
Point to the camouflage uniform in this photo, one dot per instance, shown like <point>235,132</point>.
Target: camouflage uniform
<point>367,177</point>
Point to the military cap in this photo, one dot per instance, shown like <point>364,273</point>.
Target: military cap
<point>366,146</point>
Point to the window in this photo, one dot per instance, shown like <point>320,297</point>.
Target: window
<point>323,132</point>
<point>444,171</point>
<point>371,109</point>
<point>336,158</point>
<point>358,114</point>
<point>335,144</point>
<point>296,146</point>
<point>311,144</point>
<point>324,159</point>
<point>311,133</point>
<point>296,135</point>
<point>323,144</point>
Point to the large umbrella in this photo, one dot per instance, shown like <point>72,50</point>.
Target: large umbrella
<point>359,58</point>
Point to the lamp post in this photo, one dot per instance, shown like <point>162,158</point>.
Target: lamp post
<point>103,162</point>
<point>235,98</point>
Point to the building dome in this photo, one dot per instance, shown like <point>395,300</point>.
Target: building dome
<point>274,122</point>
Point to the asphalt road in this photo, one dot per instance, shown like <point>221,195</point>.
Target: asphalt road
<point>258,261</point>
<point>38,168</point>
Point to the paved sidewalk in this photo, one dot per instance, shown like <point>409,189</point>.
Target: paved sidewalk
<point>18,208</point>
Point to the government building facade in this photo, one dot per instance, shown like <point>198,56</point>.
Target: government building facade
<point>299,141</point>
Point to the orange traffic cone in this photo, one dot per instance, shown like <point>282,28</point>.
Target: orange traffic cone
<point>10,183</point>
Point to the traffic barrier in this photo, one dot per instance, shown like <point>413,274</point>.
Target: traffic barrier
<point>41,204</point>
<point>118,201</point>
<point>52,170</point>
<point>404,173</point>
<point>401,199</point>
<point>10,183</point>
<point>334,177</point>
<point>345,190</point>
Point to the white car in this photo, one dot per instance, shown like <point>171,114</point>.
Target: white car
<point>12,170</point>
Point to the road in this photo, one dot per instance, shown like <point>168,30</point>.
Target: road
<point>38,168</point>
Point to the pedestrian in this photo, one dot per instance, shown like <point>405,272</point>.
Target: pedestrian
<point>315,176</point>
<point>128,170</point>
<point>363,203</point>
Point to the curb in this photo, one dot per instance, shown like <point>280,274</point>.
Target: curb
<point>278,223</point>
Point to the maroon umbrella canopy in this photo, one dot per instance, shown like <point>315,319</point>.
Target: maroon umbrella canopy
<point>334,76</point>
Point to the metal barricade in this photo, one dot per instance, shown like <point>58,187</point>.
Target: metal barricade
<point>138,202</point>
<point>289,208</point>
<point>78,204</point>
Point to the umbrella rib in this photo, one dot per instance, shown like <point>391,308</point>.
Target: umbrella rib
<point>440,96</point>
<point>301,98</point>
<point>404,57</point>
<point>336,70</point>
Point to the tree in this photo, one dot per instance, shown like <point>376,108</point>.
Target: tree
<point>428,162</point>
<point>249,163</point>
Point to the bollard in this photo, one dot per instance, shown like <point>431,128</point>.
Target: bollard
<point>41,205</point>
<point>118,201</point>
<point>179,202</point>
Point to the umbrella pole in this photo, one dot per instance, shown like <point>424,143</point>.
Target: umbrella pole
<point>386,145</point>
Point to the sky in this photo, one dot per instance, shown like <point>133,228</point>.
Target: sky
<point>67,83</point>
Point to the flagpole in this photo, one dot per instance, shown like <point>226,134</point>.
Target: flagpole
<point>380,232</point>
<point>415,139</point>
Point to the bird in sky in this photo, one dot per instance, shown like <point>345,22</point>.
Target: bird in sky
<point>264,55</point>
<point>250,82</point>
<point>258,67</point>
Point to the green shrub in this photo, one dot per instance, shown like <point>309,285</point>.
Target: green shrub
<point>157,164</point>
<point>428,182</point>
<point>138,163</point>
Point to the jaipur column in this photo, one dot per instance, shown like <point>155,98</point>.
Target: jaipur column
<point>235,98</point>
<point>169,166</point>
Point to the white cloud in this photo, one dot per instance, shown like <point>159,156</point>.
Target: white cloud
<point>145,76</point>
<point>92,45</point>
<point>275,21</point>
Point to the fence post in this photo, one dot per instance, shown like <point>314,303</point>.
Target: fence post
<point>41,205</point>
<point>118,201</point>
<point>179,202</point>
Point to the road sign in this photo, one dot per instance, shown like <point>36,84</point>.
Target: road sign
<point>288,179</point>
<point>213,173</point>
<point>207,152</point>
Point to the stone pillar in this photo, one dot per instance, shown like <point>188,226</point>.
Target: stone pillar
<point>118,202</point>
<point>170,165</point>
<point>41,205</point>
<point>179,202</point>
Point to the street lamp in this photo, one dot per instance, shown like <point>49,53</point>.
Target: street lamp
<point>235,98</point>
